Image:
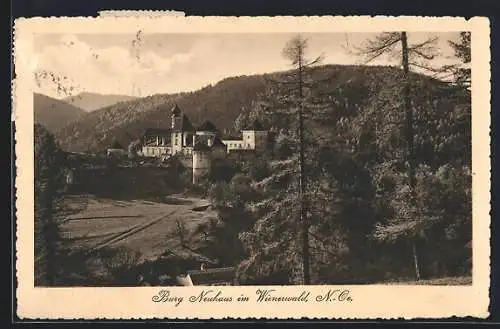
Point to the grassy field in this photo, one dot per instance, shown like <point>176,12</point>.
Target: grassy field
<point>149,228</point>
<point>448,281</point>
<point>146,227</point>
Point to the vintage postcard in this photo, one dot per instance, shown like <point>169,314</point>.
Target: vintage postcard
<point>252,167</point>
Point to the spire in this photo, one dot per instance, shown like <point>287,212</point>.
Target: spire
<point>176,110</point>
<point>255,125</point>
<point>116,145</point>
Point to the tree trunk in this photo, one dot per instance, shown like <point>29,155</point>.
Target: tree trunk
<point>48,223</point>
<point>302,184</point>
<point>409,137</point>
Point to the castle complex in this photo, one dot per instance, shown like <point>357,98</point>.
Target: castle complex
<point>200,145</point>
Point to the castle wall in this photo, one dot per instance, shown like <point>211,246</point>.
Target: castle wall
<point>158,151</point>
<point>233,144</point>
<point>186,159</point>
<point>188,150</point>
<point>219,152</point>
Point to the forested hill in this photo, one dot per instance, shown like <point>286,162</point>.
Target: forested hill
<point>126,121</point>
<point>221,103</point>
<point>53,113</point>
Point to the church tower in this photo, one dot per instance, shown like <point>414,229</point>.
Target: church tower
<point>176,117</point>
<point>182,130</point>
<point>202,161</point>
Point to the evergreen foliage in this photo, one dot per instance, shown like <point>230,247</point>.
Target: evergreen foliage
<point>48,159</point>
<point>386,153</point>
<point>364,218</point>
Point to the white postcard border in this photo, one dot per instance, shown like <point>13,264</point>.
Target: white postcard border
<point>368,301</point>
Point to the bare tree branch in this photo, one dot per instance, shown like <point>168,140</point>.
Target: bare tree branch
<point>379,46</point>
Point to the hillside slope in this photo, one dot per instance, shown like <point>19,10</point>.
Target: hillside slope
<point>92,101</point>
<point>126,121</point>
<point>53,113</point>
<point>223,102</point>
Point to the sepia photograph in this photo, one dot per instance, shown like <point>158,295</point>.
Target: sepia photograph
<point>307,163</point>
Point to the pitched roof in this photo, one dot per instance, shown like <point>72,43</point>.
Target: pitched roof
<point>233,137</point>
<point>212,275</point>
<point>157,132</point>
<point>186,124</point>
<point>207,126</point>
<point>255,125</point>
<point>176,109</point>
<point>200,146</point>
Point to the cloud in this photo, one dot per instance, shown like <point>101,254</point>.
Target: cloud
<point>173,63</point>
<point>79,67</point>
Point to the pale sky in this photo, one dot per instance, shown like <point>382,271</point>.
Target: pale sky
<point>169,63</point>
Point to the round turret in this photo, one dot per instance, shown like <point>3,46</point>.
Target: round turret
<point>202,162</point>
<point>219,149</point>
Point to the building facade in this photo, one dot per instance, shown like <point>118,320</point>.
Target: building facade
<point>202,162</point>
<point>156,142</point>
<point>223,276</point>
